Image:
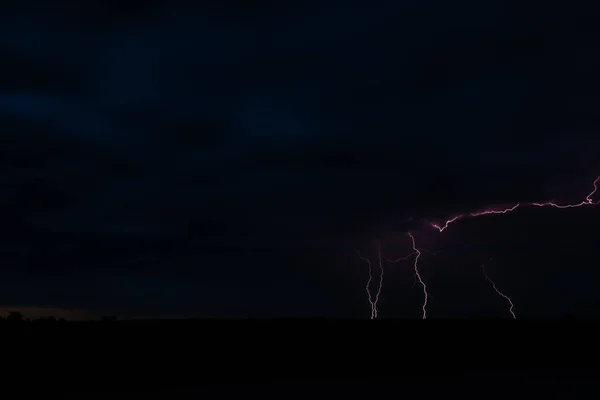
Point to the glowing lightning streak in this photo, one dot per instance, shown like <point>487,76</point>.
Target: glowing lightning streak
<point>404,258</point>
<point>399,259</point>
<point>587,202</point>
<point>418,275</point>
<point>367,287</point>
<point>510,310</point>
<point>433,253</point>
<point>374,301</point>
<point>380,280</point>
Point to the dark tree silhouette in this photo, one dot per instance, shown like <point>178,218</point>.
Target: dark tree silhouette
<point>49,319</point>
<point>15,316</point>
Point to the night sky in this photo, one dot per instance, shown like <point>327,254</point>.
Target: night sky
<point>226,160</point>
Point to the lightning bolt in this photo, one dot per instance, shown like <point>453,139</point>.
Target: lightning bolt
<point>510,310</point>
<point>368,286</point>
<point>380,280</point>
<point>586,202</point>
<point>417,252</point>
<point>374,299</point>
<point>418,275</point>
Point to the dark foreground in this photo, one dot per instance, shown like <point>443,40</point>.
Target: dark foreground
<point>426,358</point>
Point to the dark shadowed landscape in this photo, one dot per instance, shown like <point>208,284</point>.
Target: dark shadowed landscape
<point>145,358</point>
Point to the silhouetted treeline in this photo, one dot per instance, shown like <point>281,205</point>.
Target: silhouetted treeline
<point>18,317</point>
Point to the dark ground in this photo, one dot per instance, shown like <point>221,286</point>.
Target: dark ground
<point>484,358</point>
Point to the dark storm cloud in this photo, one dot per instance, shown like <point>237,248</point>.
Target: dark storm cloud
<point>273,130</point>
<point>183,71</point>
<point>211,81</point>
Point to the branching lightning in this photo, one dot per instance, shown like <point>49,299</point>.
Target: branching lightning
<point>510,310</point>
<point>374,299</point>
<point>368,286</point>
<point>418,275</point>
<point>586,202</point>
<point>417,252</point>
